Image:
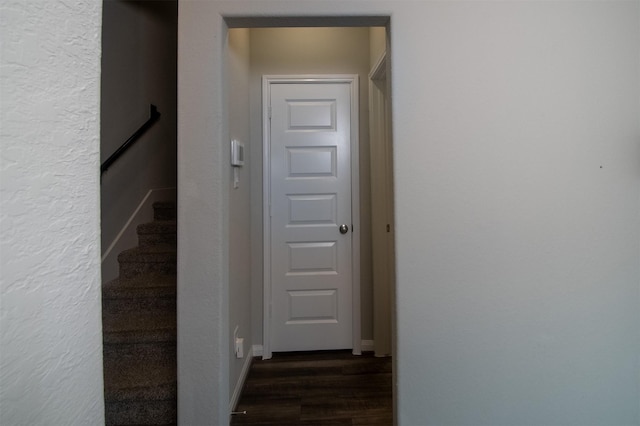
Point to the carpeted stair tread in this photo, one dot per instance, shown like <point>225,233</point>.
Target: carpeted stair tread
<point>140,376</point>
<point>139,326</point>
<point>155,253</point>
<point>157,232</point>
<point>137,413</point>
<point>146,285</point>
<point>159,258</point>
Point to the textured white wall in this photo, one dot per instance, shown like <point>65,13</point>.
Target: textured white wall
<point>50,322</point>
<point>516,130</point>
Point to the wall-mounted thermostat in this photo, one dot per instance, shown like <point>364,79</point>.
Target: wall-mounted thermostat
<point>237,153</point>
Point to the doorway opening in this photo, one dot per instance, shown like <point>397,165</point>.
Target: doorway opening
<point>309,46</point>
<point>311,203</point>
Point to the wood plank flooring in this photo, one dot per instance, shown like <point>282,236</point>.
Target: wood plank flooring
<point>326,388</point>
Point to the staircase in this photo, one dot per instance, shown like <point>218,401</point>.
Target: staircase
<point>139,328</point>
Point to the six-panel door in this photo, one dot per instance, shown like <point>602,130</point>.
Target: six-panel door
<point>310,163</point>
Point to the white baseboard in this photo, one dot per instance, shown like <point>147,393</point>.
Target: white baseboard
<point>235,397</point>
<point>367,346</point>
<point>128,237</point>
<point>257,350</point>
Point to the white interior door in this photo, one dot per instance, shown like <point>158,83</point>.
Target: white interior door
<point>310,219</point>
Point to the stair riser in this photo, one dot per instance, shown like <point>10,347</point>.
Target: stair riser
<point>159,254</point>
<point>158,227</point>
<point>133,269</point>
<point>140,304</point>
<point>140,337</point>
<point>114,354</point>
<point>141,412</point>
<point>132,293</point>
<point>164,214</point>
<point>164,211</point>
<point>146,240</point>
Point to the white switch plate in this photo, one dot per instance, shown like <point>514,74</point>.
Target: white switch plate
<point>237,153</point>
<point>239,347</point>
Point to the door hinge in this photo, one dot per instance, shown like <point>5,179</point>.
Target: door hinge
<point>388,228</point>
<point>269,112</point>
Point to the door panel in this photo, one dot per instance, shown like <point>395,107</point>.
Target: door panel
<point>313,209</point>
<point>310,162</point>
<point>310,189</point>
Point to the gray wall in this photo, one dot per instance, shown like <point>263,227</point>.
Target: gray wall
<point>239,206</point>
<point>139,55</point>
<point>516,146</point>
<point>516,135</point>
<point>377,44</point>
<point>310,51</point>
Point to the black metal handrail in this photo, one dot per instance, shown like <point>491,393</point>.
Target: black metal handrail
<point>154,115</point>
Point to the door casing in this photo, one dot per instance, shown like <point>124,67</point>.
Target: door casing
<point>382,221</point>
<point>267,81</point>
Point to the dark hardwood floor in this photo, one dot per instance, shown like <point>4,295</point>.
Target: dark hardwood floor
<point>317,389</point>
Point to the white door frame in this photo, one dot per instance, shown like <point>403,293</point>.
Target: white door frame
<point>267,81</point>
<point>382,229</point>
